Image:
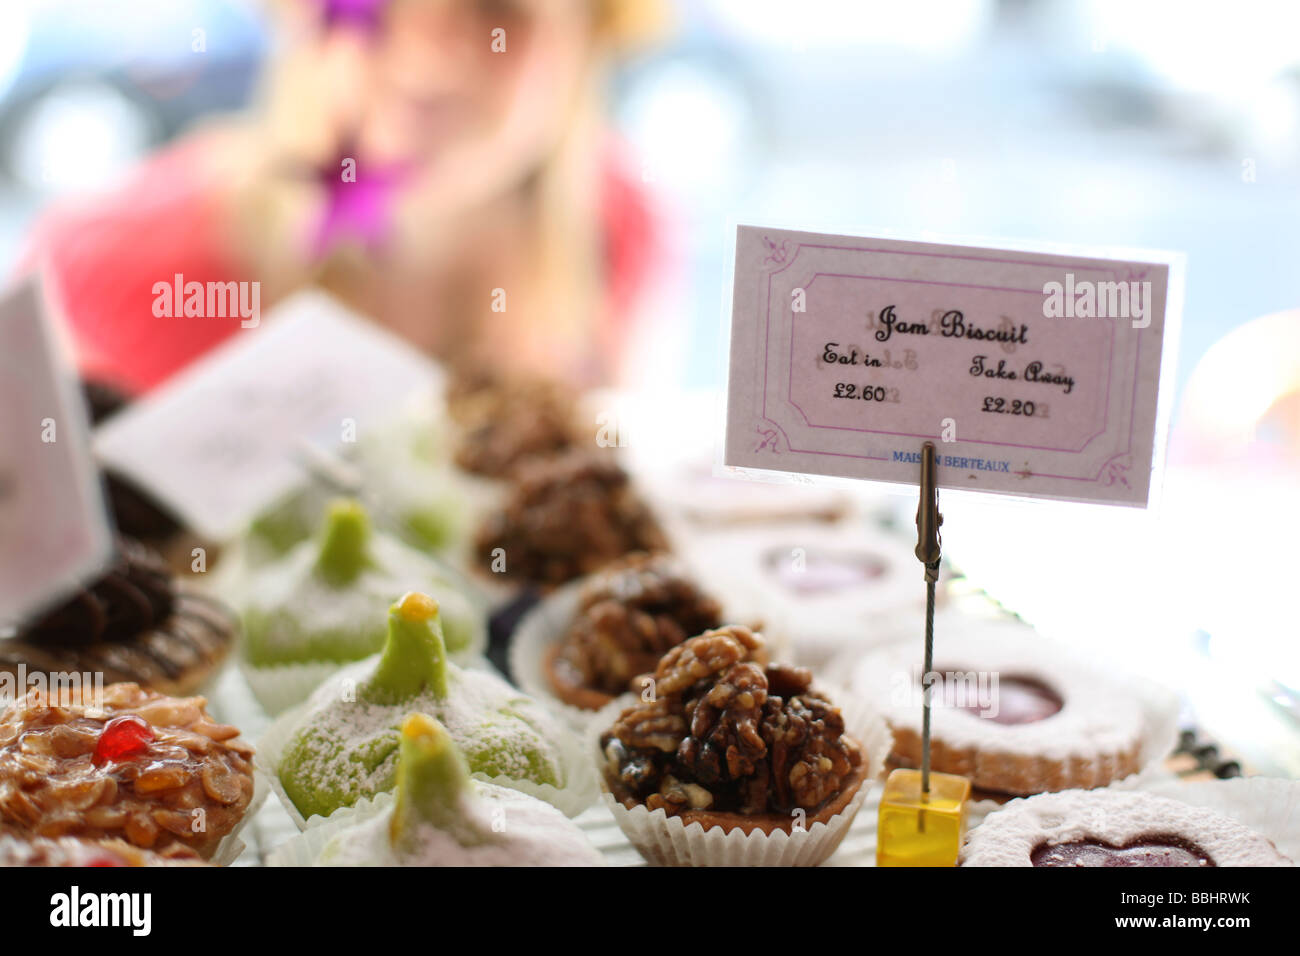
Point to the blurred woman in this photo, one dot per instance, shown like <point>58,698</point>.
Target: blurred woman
<point>439,165</point>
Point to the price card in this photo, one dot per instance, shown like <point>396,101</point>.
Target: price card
<point>54,530</point>
<point>229,435</point>
<point>1035,374</point>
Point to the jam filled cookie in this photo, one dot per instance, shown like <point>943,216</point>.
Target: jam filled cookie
<point>155,771</point>
<point>135,623</point>
<point>1111,828</point>
<point>736,746</point>
<point>629,615</point>
<point>1013,713</point>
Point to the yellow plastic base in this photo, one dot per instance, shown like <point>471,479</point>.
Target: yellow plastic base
<point>913,833</point>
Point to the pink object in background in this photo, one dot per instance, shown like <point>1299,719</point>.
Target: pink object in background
<point>103,257</point>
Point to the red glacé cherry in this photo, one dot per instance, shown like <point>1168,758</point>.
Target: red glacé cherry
<point>122,738</point>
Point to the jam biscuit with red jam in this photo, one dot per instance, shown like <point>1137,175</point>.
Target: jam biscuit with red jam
<point>1013,713</point>
<point>153,770</point>
<point>1111,828</point>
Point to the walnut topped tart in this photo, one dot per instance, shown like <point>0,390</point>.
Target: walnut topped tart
<point>628,616</point>
<point>747,749</point>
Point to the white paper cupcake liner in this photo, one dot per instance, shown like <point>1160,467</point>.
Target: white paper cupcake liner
<point>575,796</point>
<point>1268,805</point>
<point>666,841</point>
<point>305,848</point>
<point>282,686</point>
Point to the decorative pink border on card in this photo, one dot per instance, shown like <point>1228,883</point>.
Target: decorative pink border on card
<point>781,255</point>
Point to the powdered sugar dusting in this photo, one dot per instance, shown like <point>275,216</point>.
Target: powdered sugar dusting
<point>291,614</point>
<point>517,831</point>
<point>1009,836</point>
<point>347,749</point>
<point>1098,716</point>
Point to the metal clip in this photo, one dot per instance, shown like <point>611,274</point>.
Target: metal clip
<point>928,518</point>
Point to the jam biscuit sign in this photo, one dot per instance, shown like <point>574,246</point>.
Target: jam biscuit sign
<point>1034,374</point>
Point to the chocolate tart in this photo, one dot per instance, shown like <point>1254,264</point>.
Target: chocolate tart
<point>1113,828</point>
<point>134,623</point>
<point>136,513</point>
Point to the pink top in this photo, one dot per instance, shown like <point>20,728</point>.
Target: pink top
<point>103,257</point>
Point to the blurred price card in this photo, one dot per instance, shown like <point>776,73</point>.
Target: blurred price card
<point>227,436</point>
<point>1035,374</point>
<point>54,531</point>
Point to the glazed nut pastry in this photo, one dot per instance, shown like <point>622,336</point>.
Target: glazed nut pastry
<point>629,615</point>
<point>727,733</point>
<point>507,422</point>
<point>154,771</point>
<point>22,850</point>
<point>567,516</point>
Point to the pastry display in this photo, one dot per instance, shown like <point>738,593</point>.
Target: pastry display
<point>733,743</point>
<point>127,764</point>
<point>18,849</point>
<point>1110,828</point>
<point>1012,712</point>
<point>564,517</point>
<point>134,623</point>
<point>506,422</point>
<point>442,817</point>
<point>327,599</point>
<point>342,745</point>
<point>628,616</point>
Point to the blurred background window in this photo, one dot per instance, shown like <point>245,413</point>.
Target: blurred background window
<point>1165,124</point>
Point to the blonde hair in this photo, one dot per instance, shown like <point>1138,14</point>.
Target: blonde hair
<point>564,237</point>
